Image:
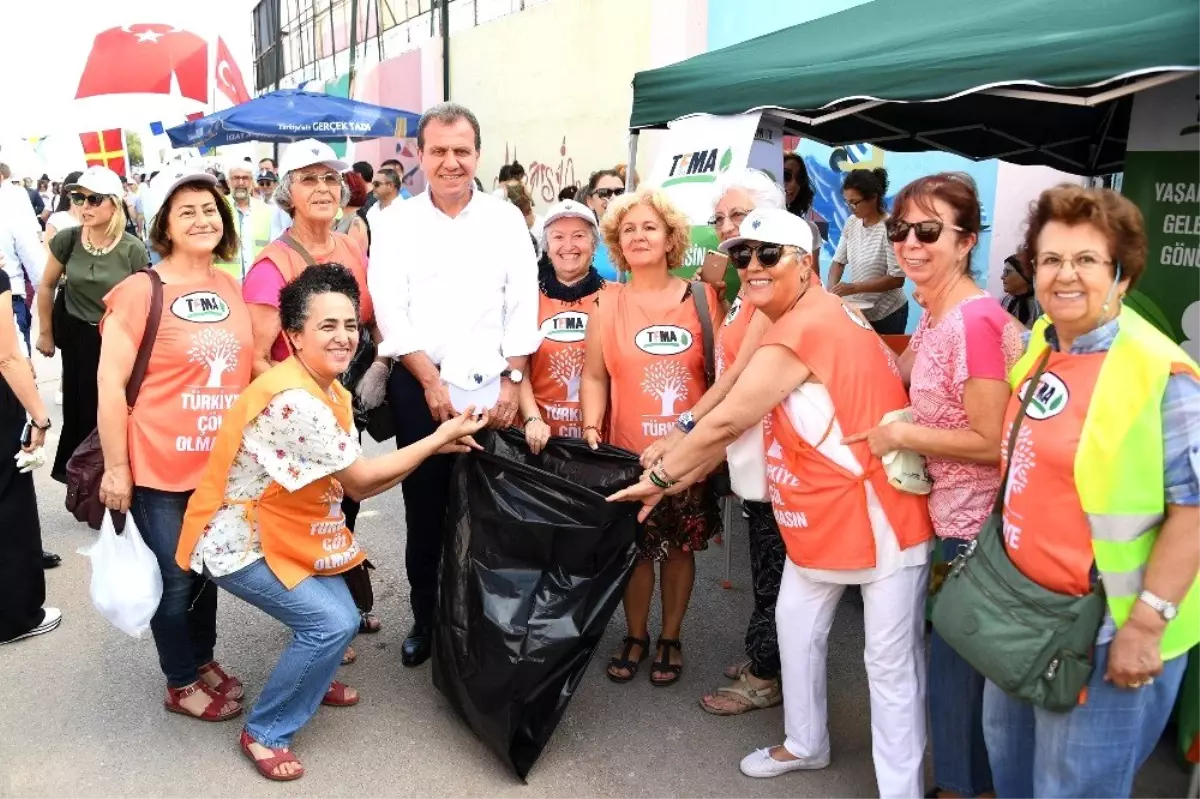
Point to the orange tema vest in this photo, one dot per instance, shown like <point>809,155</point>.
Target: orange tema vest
<point>654,356</point>
<point>345,252</point>
<point>821,507</point>
<point>732,333</point>
<point>1056,552</point>
<point>556,368</point>
<point>302,532</point>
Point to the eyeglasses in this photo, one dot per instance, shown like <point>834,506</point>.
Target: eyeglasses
<point>735,218</point>
<point>265,183</point>
<point>605,194</point>
<point>928,231</point>
<point>789,175</point>
<point>312,180</point>
<point>94,200</point>
<point>1083,262</point>
<point>768,254</point>
<point>854,203</point>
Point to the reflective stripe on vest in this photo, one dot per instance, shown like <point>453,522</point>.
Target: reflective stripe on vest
<point>1119,465</point>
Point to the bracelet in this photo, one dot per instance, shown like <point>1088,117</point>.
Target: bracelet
<point>665,474</point>
<point>529,419</point>
<point>658,481</point>
<point>591,427</point>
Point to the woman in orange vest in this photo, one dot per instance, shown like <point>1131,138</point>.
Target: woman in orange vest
<point>311,190</point>
<point>821,369</point>
<point>155,451</point>
<point>644,366</point>
<point>570,287</point>
<point>266,521</point>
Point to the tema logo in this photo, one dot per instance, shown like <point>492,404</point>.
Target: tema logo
<point>733,310</point>
<point>568,327</point>
<point>203,307</point>
<point>1049,398</point>
<point>663,340</point>
<point>701,166</point>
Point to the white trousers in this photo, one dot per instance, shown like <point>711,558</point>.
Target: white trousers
<point>894,617</point>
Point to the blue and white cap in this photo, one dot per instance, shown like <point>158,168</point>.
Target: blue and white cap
<point>773,226</point>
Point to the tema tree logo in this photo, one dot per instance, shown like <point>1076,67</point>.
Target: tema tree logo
<point>702,166</point>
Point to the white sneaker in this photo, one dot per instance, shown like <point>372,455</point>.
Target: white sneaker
<point>52,620</point>
<point>759,763</point>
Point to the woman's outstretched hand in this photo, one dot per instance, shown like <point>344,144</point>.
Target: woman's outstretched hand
<point>643,491</point>
<point>456,433</point>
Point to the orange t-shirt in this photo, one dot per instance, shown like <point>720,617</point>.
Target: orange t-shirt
<point>199,365</point>
<point>654,355</point>
<point>732,332</point>
<point>556,368</point>
<point>820,506</point>
<point>1045,529</point>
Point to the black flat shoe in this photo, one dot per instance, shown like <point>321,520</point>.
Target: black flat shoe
<point>50,560</point>
<point>417,647</point>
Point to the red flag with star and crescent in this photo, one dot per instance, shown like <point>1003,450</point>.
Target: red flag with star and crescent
<point>105,148</point>
<point>228,76</point>
<point>143,59</point>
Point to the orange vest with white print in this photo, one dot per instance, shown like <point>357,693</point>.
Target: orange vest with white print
<point>732,333</point>
<point>556,367</point>
<point>654,355</point>
<point>345,252</point>
<point>820,506</point>
<point>303,532</point>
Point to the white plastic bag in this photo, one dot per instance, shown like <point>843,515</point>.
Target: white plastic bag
<point>905,469</point>
<point>126,582</point>
<point>747,458</point>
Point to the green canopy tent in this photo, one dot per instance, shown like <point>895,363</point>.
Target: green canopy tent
<point>1046,82</point>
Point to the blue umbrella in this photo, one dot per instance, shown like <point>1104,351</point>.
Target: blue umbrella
<point>290,115</point>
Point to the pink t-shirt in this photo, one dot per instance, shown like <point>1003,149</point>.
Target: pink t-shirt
<point>976,339</point>
<point>262,285</point>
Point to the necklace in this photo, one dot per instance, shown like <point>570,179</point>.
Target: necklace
<point>92,249</point>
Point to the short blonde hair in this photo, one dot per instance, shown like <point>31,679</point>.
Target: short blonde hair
<point>679,229</point>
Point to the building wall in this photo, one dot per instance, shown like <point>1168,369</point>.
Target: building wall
<point>733,21</point>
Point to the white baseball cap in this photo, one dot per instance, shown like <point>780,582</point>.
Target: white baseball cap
<point>307,152</point>
<point>773,226</point>
<point>171,178</point>
<point>99,180</point>
<point>473,377</point>
<point>569,208</point>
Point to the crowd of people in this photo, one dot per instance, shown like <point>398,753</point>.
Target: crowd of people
<point>314,300</point>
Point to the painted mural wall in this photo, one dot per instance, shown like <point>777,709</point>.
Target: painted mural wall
<point>551,88</point>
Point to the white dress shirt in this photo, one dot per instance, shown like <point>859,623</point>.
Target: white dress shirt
<point>440,283</point>
<point>20,239</point>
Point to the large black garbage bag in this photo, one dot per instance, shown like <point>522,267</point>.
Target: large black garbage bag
<point>534,565</point>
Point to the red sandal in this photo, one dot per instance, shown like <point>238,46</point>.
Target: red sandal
<point>230,687</point>
<point>336,696</point>
<point>212,711</point>
<point>268,765</point>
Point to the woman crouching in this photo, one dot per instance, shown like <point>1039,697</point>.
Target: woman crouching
<point>266,522</point>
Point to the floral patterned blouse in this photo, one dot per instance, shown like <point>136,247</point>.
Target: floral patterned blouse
<point>294,441</point>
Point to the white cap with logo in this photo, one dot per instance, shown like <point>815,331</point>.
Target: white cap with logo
<point>171,177</point>
<point>773,226</point>
<point>569,208</point>
<point>473,377</point>
<point>99,180</point>
<point>308,152</point>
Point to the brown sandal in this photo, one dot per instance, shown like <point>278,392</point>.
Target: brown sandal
<point>230,687</point>
<point>336,696</point>
<point>212,711</point>
<point>268,765</point>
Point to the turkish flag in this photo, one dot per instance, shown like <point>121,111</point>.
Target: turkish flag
<point>142,59</point>
<point>228,76</point>
<point>105,148</point>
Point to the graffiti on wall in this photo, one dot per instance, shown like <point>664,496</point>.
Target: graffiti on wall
<point>545,178</point>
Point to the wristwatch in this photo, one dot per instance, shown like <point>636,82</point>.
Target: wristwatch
<point>514,375</point>
<point>686,421</point>
<point>1168,610</point>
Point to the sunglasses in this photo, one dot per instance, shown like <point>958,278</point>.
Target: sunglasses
<point>605,194</point>
<point>789,175</point>
<point>768,254</point>
<point>94,200</point>
<point>927,231</point>
<point>265,183</point>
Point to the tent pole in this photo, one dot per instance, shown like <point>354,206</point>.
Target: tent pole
<point>630,172</point>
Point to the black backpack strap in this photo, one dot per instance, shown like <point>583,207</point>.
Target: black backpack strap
<point>700,298</point>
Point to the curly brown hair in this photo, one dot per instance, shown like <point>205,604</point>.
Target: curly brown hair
<point>679,230</point>
<point>1104,209</point>
<point>227,248</point>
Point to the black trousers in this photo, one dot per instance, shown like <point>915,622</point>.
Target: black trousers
<point>894,323</point>
<point>22,581</point>
<point>767,556</point>
<point>426,494</point>
<point>80,347</point>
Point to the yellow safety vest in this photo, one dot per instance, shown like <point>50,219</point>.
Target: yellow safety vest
<point>259,228</point>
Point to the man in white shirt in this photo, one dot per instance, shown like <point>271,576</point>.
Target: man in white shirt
<point>21,243</point>
<point>452,271</point>
<point>386,185</point>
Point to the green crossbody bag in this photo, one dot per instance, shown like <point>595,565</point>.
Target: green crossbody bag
<point>1033,643</point>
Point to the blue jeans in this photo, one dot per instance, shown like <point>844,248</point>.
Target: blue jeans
<point>185,624</point>
<point>24,318</point>
<point>1094,750</point>
<point>323,619</point>
<point>960,757</point>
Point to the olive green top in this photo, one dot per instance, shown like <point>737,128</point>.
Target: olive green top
<point>90,277</point>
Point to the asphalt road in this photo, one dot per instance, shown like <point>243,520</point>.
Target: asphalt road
<point>81,715</point>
